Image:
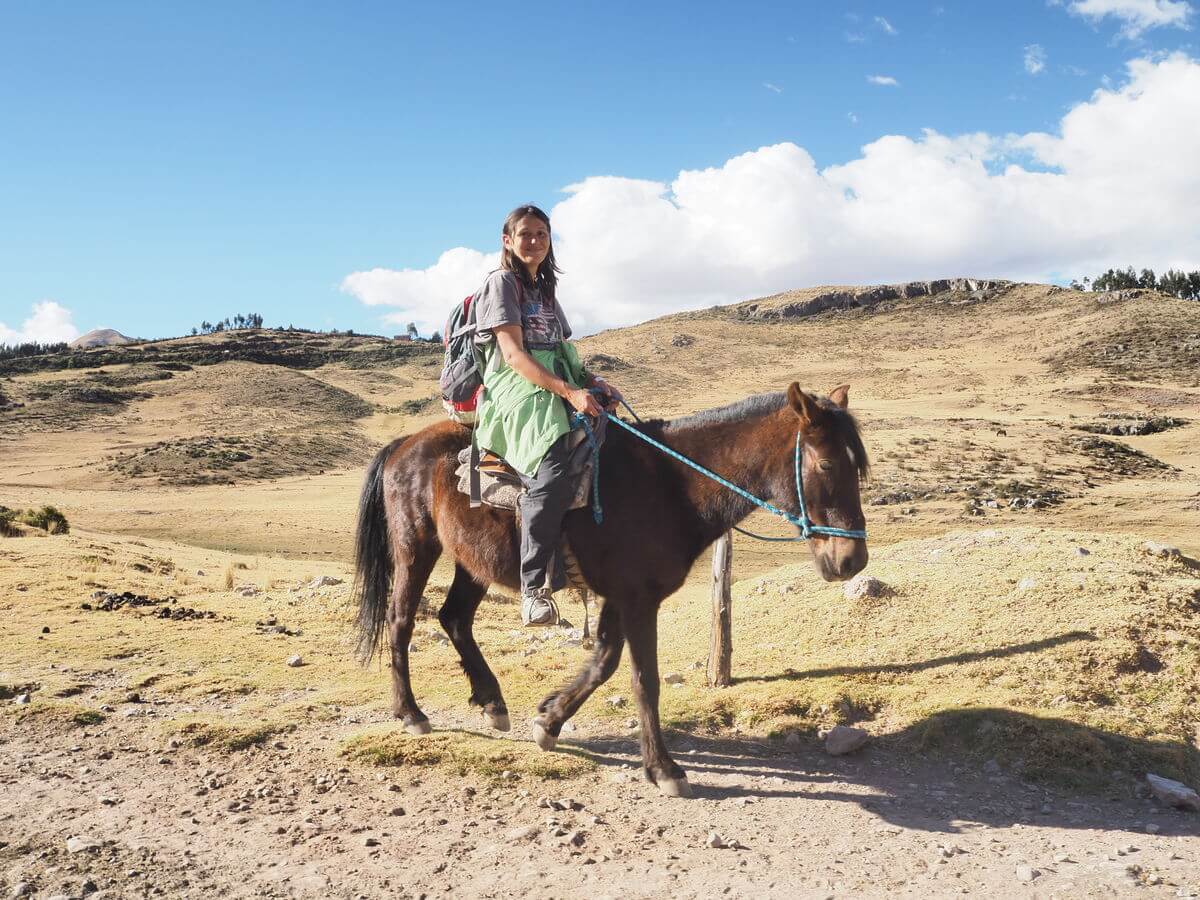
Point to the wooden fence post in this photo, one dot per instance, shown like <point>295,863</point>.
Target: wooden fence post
<point>720,653</point>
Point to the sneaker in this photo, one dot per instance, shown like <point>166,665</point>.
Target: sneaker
<point>537,607</point>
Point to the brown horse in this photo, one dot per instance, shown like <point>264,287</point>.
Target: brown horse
<point>659,516</point>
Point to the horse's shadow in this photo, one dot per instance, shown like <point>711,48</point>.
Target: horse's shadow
<point>947,791</point>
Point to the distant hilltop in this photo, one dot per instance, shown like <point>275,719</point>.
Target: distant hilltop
<point>100,337</point>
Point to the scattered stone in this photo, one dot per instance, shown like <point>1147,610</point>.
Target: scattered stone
<point>21,889</point>
<point>1173,793</point>
<point>22,700</point>
<point>617,702</point>
<point>1082,551</point>
<point>524,833</point>
<point>715,841</point>
<point>1027,583</point>
<point>295,661</point>
<point>371,842</point>
<point>861,587</point>
<point>324,581</point>
<point>843,739</point>
<point>80,844</point>
<point>1163,550</point>
<point>397,811</point>
<point>673,678</point>
<point>682,340</point>
<point>247,590</point>
<point>1026,874</point>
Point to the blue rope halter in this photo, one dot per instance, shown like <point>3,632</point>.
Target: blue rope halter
<point>803,523</point>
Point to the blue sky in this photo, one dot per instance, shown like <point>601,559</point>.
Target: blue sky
<point>165,163</point>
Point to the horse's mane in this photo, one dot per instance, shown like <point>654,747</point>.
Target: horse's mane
<point>765,404</point>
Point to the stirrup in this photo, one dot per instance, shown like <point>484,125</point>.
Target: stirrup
<point>538,608</point>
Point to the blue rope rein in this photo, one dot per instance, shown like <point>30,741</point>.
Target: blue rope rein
<point>803,523</point>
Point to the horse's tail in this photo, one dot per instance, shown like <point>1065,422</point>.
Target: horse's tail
<point>372,558</point>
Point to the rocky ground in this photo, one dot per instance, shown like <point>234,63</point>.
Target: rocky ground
<point>116,811</point>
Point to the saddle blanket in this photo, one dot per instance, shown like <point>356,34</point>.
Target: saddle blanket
<point>503,492</point>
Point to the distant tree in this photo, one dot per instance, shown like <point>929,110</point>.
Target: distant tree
<point>1193,285</point>
<point>31,348</point>
<point>194,330</point>
<point>1147,280</point>
<point>435,338</point>
<point>412,331</point>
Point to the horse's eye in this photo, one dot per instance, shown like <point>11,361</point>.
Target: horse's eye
<point>825,465</point>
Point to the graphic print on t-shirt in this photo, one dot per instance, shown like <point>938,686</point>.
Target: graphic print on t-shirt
<point>539,322</point>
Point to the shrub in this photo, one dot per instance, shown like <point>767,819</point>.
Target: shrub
<point>7,517</point>
<point>48,518</point>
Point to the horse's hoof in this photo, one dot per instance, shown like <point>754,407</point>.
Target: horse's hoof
<point>499,721</point>
<point>545,739</point>
<point>422,727</point>
<point>675,787</point>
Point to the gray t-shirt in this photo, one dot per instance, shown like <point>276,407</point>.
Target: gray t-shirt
<point>503,300</point>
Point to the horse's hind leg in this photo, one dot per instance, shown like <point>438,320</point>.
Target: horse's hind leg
<point>408,583</point>
<point>457,616</point>
<point>560,706</point>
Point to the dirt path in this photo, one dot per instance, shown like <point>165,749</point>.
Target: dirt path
<point>294,819</point>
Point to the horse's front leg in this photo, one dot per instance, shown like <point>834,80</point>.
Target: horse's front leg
<point>641,630</point>
<point>457,616</point>
<point>560,706</point>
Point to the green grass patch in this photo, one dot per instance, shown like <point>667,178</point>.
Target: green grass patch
<point>67,715</point>
<point>465,753</point>
<point>227,736</point>
<point>1051,750</point>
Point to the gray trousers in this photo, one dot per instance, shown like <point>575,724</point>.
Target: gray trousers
<point>543,504</point>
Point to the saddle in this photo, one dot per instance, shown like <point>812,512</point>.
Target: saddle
<point>500,485</point>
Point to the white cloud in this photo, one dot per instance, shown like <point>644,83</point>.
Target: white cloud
<point>853,37</point>
<point>1035,59</point>
<point>885,25</point>
<point>49,324</point>
<point>852,117</point>
<point>424,296</point>
<point>1116,183</point>
<point>1136,15</point>
<point>885,80</point>
<point>773,87</point>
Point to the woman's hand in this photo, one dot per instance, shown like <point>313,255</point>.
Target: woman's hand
<point>583,401</point>
<point>613,395</point>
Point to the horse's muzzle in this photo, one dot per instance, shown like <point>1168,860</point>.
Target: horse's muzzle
<point>839,559</point>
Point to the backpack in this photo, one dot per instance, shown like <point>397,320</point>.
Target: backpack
<point>461,380</point>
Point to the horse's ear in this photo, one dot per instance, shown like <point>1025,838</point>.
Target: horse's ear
<point>805,406</point>
<point>840,395</point>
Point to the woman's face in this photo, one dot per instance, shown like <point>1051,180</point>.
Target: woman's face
<point>529,242</point>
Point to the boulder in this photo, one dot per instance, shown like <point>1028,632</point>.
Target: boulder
<point>861,587</point>
<point>843,739</point>
<point>1173,793</point>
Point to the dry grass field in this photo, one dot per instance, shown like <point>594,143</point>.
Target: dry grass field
<point>1028,664</point>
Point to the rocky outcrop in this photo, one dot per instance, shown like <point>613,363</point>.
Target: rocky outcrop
<point>852,298</point>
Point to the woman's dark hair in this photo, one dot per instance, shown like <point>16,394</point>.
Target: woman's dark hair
<point>548,271</point>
